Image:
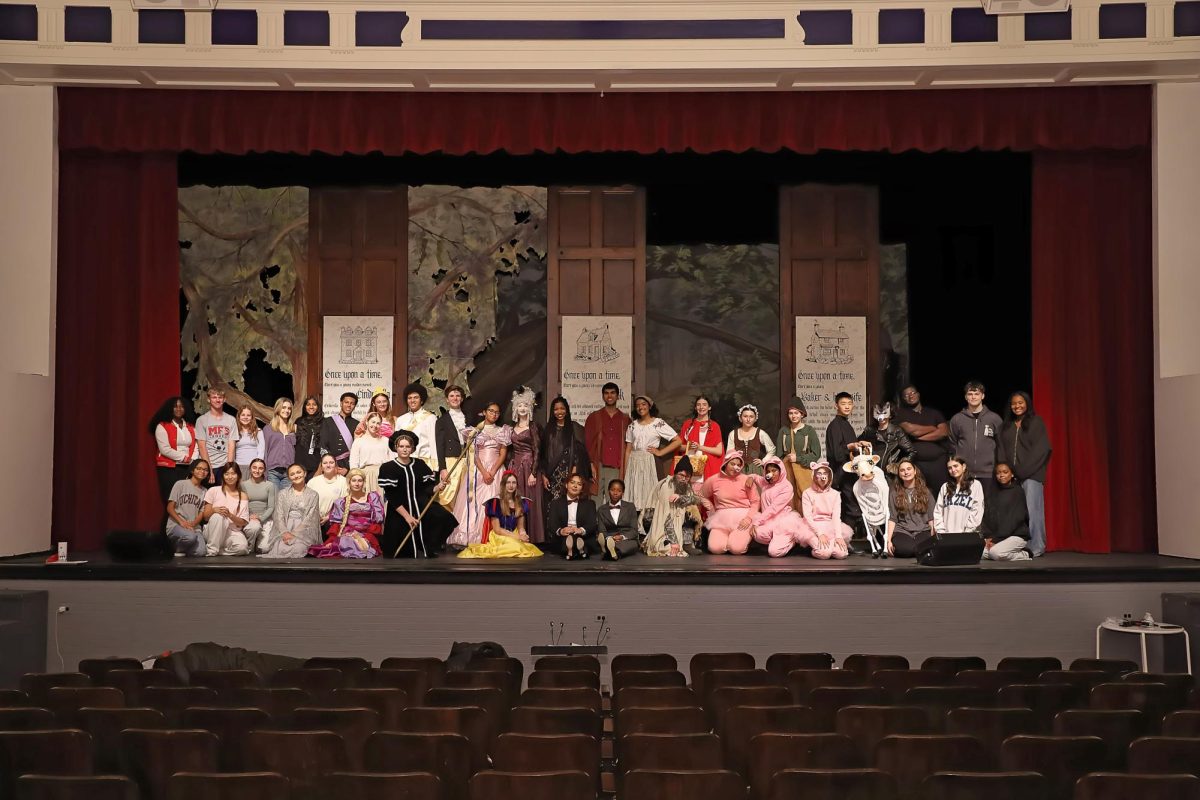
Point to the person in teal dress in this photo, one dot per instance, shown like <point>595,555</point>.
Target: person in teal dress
<point>505,535</point>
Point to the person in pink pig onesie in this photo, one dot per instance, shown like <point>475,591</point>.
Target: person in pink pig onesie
<point>776,525</point>
<point>828,536</point>
<point>732,500</point>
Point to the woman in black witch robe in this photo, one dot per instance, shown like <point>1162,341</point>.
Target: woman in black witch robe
<point>408,484</point>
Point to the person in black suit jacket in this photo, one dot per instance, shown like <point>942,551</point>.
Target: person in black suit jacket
<point>576,540</point>
<point>618,520</point>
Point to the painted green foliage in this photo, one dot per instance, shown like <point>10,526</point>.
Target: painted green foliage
<point>461,239</point>
<point>244,265</point>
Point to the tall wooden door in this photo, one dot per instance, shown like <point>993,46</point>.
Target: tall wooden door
<point>597,265</point>
<point>358,264</point>
<point>829,266</point>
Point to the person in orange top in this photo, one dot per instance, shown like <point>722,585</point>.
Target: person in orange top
<point>604,436</point>
<point>732,501</point>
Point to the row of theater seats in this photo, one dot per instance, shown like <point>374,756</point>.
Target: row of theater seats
<point>412,729</point>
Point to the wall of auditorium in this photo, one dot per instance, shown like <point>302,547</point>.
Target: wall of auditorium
<point>28,199</point>
<point>1177,323</point>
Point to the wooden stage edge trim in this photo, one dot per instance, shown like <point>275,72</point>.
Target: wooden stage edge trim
<point>637,570</point>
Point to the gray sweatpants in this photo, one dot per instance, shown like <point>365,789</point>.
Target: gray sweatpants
<point>1010,549</point>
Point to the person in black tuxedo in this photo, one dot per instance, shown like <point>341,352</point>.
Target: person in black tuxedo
<point>571,523</point>
<point>618,521</point>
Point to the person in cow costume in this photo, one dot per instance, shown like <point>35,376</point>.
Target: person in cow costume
<point>871,492</point>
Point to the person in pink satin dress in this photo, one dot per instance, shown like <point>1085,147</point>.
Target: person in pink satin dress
<point>826,534</point>
<point>732,499</point>
<point>776,524</point>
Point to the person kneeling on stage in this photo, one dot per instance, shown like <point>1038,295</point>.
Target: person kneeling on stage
<point>1006,519</point>
<point>732,499</point>
<point>409,485</point>
<point>777,526</point>
<point>355,522</point>
<point>297,523</point>
<point>618,520</point>
<point>673,513</point>
<point>911,506</point>
<point>828,536</point>
<point>571,522</point>
<point>504,534</point>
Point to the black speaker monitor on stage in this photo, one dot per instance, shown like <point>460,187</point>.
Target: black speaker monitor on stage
<point>138,546</point>
<point>951,550</point>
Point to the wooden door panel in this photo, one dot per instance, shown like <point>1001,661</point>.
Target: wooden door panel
<point>851,288</point>
<point>377,290</point>
<point>336,287</point>
<point>850,218</point>
<point>805,226</point>
<point>620,223</point>
<point>574,222</point>
<point>618,286</point>
<point>337,212</point>
<point>575,287</point>
<point>383,221</point>
<point>808,276</point>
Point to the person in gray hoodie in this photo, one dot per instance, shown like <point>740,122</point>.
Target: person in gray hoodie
<point>973,433</point>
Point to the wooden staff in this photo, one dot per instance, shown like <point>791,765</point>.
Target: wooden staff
<point>413,528</point>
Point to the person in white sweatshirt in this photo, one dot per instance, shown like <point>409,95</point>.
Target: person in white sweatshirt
<point>959,506</point>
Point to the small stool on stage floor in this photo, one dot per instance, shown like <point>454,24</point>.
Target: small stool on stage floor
<point>1144,630</point>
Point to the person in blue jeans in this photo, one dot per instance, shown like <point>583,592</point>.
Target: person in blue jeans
<point>1025,445</point>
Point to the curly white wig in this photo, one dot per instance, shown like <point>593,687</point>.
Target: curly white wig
<point>523,394</point>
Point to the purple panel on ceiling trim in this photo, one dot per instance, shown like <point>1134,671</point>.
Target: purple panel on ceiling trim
<point>972,25</point>
<point>306,28</point>
<point>827,27</point>
<point>1123,21</point>
<point>18,22</point>
<point>901,25</point>
<point>379,28</point>
<point>160,26</point>
<point>87,24</point>
<point>235,26</point>
<point>1052,26</point>
<point>1187,18</point>
<point>481,29</point>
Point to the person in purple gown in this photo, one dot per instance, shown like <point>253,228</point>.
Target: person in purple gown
<point>523,458</point>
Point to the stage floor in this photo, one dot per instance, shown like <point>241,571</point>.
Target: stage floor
<point>638,569</point>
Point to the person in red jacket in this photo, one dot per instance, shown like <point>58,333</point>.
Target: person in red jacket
<point>175,440</point>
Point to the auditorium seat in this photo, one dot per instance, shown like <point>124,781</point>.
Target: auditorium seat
<point>1164,755</point>
<point>434,668</point>
<point>317,682</point>
<point>232,726</point>
<point>27,719</point>
<point>991,679</point>
<point>1044,699</point>
<point>715,679</point>
<point>910,759</point>
<point>568,679</point>
<point>643,662</point>
<point>567,664</point>
<point>741,724</point>
<point>556,720</point>
<point>76,787</point>
<point>222,679</point>
<point>1029,666</point>
<point>62,752</point>
<point>1181,723</point>
<point>507,683</point>
<point>494,785</point>
<point>14,698</point>
<point>831,784</point>
<point>522,752</point>
<point>700,784</point>
<point>413,682</point>
<point>1109,786</point>
<point>937,700</point>
<point>1117,728</point>
<point>898,681</point>
<point>302,757</point>
<point>867,725</point>
<point>224,786</point>
<point>96,668</point>
<point>494,701</point>
<point>991,725</point>
<point>1155,700</point>
<point>952,665</point>
<point>1060,759</point>
<point>983,786</point>
<point>349,665</point>
<point>655,697</point>
<point>867,663</point>
<point>1116,667</point>
<point>354,725</point>
<point>703,662</point>
<point>151,757</point>
<point>447,755</point>
<point>771,752</point>
<point>172,700</point>
<point>469,722</point>
<point>131,682</point>
<point>826,701</point>
<point>780,664</point>
<point>37,684</point>
<point>721,700</point>
<point>561,698</point>
<point>648,679</point>
<point>380,786</point>
<point>388,703</point>
<point>278,703</point>
<point>801,682</point>
<point>660,720</point>
<point>65,701</point>
<point>1085,679</point>
<point>104,725</point>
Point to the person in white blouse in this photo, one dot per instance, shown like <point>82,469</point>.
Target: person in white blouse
<point>422,422</point>
<point>329,486</point>
<point>645,440</point>
<point>753,442</point>
<point>370,450</point>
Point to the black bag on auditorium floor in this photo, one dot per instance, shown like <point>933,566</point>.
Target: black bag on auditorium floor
<point>139,546</point>
<point>463,653</point>
<point>950,550</point>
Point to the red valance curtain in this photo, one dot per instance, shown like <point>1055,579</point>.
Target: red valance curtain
<point>117,348</point>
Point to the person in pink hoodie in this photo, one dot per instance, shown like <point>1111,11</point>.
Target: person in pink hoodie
<point>776,525</point>
<point>732,500</point>
<point>827,535</point>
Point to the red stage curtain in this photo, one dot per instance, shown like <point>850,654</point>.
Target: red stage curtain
<point>1093,347</point>
<point>117,354</point>
<point>1064,118</point>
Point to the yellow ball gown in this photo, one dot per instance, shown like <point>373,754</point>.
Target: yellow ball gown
<point>501,545</point>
